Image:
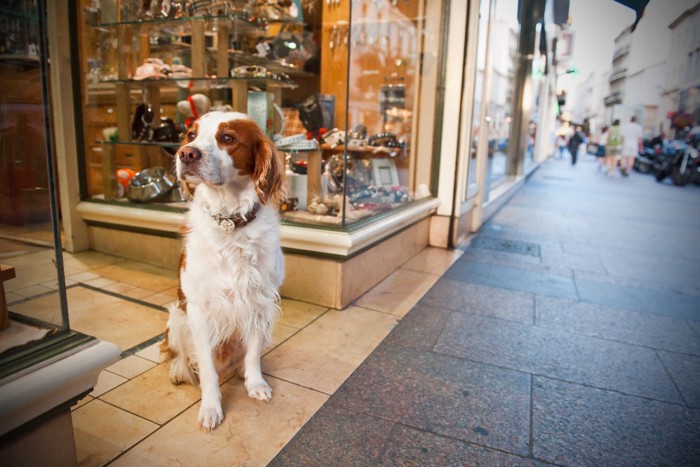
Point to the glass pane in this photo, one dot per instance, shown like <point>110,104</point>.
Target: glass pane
<point>478,92</point>
<point>28,276</point>
<point>503,49</point>
<point>289,65</point>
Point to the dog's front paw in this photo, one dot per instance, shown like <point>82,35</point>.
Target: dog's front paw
<point>210,417</point>
<point>259,390</point>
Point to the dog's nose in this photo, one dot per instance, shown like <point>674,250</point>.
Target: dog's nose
<point>189,154</point>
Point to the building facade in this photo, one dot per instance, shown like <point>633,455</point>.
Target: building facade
<point>680,95</point>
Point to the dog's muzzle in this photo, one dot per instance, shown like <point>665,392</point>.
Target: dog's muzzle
<point>189,154</point>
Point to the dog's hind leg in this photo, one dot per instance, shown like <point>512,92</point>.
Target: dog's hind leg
<point>254,383</point>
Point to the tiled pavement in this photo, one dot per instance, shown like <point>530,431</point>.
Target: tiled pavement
<point>134,416</point>
<point>567,333</point>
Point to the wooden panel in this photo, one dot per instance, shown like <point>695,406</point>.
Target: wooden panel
<point>198,49</point>
<point>334,60</point>
<point>7,272</point>
<point>109,176</point>
<point>222,38</point>
<point>313,188</point>
<point>239,95</point>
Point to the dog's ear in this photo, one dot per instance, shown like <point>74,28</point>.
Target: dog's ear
<point>268,175</point>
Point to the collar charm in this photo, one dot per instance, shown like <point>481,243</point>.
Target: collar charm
<point>237,221</point>
<point>226,223</point>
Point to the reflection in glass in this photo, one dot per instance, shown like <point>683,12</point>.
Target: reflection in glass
<point>30,302</point>
<point>503,49</point>
<point>478,91</point>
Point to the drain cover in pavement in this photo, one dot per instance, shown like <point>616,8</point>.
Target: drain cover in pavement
<point>555,177</point>
<point>507,246</point>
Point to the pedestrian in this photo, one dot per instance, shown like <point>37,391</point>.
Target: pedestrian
<point>613,148</point>
<point>574,143</point>
<point>561,145</point>
<point>632,144</point>
<point>600,150</point>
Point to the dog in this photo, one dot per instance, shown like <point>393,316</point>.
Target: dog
<point>231,265</point>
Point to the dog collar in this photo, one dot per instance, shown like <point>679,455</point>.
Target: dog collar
<point>237,221</point>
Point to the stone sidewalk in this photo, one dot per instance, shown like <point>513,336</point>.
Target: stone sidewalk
<point>568,333</point>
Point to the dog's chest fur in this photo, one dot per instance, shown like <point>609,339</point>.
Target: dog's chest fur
<point>231,279</point>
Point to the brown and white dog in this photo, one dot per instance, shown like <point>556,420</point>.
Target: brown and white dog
<point>231,265</point>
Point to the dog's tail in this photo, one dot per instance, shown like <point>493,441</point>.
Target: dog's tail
<point>179,348</point>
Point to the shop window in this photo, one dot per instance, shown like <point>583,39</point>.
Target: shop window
<point>503,46</point>
<point>479,83</point>
<point>337,85</point>
<point>33,316</point>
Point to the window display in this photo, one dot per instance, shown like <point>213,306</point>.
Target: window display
<point>335,84</point>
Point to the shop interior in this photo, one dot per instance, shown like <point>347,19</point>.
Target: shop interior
<point>334,84</point>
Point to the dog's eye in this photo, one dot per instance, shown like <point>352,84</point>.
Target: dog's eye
<point>228,139</point>
<point>191,136</point>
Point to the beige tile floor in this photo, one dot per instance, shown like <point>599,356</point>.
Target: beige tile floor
<point>134,416</point>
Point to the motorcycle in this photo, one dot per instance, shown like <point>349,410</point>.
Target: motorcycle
<point>647,158</point>
<point>686,165</point>
<point>665,161</point>
<point>681,162</point>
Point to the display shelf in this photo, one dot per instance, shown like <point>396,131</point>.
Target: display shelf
<point>237,21</point>
<point>140,143</point>
<point>241,58</point>
<point>23,59</point>
<point>209,82</point>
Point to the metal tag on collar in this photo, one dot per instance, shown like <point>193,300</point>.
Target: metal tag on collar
<point>227,225</point>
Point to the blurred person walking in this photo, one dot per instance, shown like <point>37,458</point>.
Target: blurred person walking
<point>632,144</point>
<point>614,147</point>
<point>561,143</point>
<point>575,143</point>
<point>600,150</point>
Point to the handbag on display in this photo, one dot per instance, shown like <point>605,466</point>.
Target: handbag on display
<point>311,114</point>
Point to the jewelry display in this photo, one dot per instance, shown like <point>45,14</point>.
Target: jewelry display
<point>249,71</point>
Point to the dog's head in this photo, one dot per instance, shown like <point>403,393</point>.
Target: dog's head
<point>223,148</point>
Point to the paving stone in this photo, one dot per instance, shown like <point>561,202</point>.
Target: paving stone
<point>336,436</point>
<point>577,425</point>
<point>685,372</point>
<point>502,258</point>
<point>474,298</point>
<point>419,329</point>
<point>616,324</point>
<point>635,283</point>
<point>513,278</point>
<point>581,359</point>
<point>444,395</point>
<point>407,446</point>
<point>524,262</point>
<point>661,302</point>
<point>666,270</point>
<point>506,245</point>
<point>576,262</point>
<point>695,325</point>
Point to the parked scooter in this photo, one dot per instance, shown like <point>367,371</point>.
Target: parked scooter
<point>685,167</point>
<point>664,162</point>
<point>681,161</point>
<point>647,158</point>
